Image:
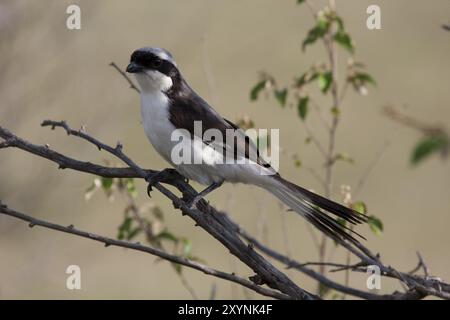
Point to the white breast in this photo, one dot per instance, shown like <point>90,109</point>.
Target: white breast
<point>155,119</point>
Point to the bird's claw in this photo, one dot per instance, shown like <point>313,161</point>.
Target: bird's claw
<point>192,204</point>
<point>165,175</point>
<point>152,179</point>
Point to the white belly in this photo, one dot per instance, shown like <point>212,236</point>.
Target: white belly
<point>212,166</point>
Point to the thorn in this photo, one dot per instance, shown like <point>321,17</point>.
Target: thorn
<point>47,145</point>
<point>99,148</point>
<point>177,205</point>
<point>107,244</point>
<point>31,224</point>
<point>70,227</point>
<point>251,246</point>
<point>62,167</point>
<point>119,146</point>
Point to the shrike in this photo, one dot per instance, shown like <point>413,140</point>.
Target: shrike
<point>169,104</point>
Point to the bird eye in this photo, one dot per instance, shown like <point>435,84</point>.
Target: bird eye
<point>156,63</point>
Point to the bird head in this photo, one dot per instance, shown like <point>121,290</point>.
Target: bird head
<point>154,69</point>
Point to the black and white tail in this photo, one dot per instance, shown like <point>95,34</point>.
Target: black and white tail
<point>317,209</point>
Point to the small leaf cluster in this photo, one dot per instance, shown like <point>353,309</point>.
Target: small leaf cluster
<point>147,219</point>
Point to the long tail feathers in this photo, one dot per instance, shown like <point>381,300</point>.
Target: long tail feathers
<point>316,210</point>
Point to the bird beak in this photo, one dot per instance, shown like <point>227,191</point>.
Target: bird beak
<point>134,68</point>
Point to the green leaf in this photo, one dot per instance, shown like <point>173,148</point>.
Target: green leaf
<point>325,80</point>
<point>131,188</point>
<point>364,78</point>
<point>344,39</point>
<point>257,89</point>
<point>166,235</point>
<point>376,225</point>
<point>178,267</point>
<point>187,248</point>
<point>303,107</point>
<point>158,213</point>
<point>124,228</point>
<point>340,22</point>
<point>335,111</point>
<point>306,78</point>
<point>360,207</point>
<point>106,183</point>
<point>345,157</point>
<point>323,290</point>
<point>281,96</point>
<point>300,1</point>
<point>428,146</point>
<point>320,29</point>
<point>133,233</point>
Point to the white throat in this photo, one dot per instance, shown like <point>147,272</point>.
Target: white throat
<point>152,81</point>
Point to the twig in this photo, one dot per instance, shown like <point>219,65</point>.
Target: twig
<point>314,139</point>
<point>322,118</point>
<point>138,247</point>
<point>419,287</point>
<point>130,82</point>
<point>329,155</point>
<point>363,179</point>
<point>411,122</point>
<point>149,235</point>
<point>422,265</point>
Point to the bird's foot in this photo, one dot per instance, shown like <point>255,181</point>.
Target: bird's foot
<point>167,175</point>
<point>192,204</point>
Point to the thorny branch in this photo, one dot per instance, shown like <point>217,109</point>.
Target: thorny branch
<point>221,227</point>
<point>139,247</point>
<point>206,217</point>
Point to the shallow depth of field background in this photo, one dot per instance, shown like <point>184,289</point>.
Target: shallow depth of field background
<point>47,71</point>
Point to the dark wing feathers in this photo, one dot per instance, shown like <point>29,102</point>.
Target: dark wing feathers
<point>186,107</point>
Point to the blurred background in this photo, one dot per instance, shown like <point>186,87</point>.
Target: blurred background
<point>50,72</point>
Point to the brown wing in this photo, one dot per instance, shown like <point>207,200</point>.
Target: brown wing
<point>187,109</point>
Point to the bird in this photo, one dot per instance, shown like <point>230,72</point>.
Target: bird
<point>169,105</point>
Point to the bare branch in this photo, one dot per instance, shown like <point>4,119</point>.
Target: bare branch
<point>414,123</point>
<point>139,247</point>
<point>227,232</point>
<point>205,217</point>
<point>130,82</point>
<point>362,181</point>
<point>419,287</point>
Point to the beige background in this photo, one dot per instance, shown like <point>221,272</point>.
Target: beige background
<point>48,71</point>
